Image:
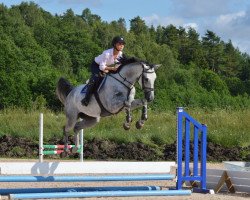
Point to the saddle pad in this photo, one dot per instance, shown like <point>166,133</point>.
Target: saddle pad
<point>84,89</point>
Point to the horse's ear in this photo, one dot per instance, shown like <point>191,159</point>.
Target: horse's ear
<point>157,66</point>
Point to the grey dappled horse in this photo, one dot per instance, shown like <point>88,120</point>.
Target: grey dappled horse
<point>115,93</point>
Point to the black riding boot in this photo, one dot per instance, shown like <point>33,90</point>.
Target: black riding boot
<point>89,92</point>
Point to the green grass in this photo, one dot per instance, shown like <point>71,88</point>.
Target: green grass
<point>229,128</point>
<point>226,127</point>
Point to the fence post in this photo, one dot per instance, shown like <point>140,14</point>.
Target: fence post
<point>82,145</point>
<point>41,137</point>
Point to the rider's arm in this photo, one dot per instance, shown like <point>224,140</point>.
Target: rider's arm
<point>103,60</point>
<point>106,68</point>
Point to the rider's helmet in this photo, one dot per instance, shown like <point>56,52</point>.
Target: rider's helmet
<point>118,39</point>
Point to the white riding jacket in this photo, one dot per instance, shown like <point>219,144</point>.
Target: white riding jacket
<point>107,58</point>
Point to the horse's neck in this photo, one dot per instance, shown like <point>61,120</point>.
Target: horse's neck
<point>131,72</point>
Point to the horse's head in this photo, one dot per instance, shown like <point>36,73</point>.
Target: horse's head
<point>147,80</point>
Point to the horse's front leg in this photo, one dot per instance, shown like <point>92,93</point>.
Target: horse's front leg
<point>140,103</point>
<point>144,116</point>
<point>128,103</point>
<point>128,119</point>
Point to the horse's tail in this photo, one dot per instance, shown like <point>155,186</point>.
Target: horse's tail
<point>63,88</point>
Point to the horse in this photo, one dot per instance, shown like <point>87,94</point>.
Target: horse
<point>115,93</point>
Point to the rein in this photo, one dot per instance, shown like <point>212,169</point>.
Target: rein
<point>124,80</point>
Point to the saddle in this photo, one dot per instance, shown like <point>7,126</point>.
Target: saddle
<point>98,86</point>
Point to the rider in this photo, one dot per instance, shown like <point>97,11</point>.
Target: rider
<point>104,63</point>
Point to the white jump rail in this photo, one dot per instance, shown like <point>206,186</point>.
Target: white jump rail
<point>97,167</point>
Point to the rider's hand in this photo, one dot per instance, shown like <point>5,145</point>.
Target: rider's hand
<point>107,69</point>
<point>117,65</point>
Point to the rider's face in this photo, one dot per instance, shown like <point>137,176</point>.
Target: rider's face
<point>119,46</point>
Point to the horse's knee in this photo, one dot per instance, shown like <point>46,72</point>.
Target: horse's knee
<point>127,104</point>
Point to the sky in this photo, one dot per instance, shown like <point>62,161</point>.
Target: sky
<point>229,19</point>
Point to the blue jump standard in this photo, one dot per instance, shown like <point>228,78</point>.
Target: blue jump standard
<point>7,191</point>
<point>100,194</point>
<point>86,178</point>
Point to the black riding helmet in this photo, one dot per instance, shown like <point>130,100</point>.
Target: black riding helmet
<point>118,39</point>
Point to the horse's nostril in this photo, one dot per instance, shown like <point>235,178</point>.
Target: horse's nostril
<point>119,94</point>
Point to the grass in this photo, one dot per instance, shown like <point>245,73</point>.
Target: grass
<point>229,128</point>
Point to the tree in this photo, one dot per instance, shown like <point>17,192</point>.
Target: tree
<point>245,70</point>
<point>214,51</point>
<point>90,18</point>
<point>171,38</point>
<point>138,26</point>
<point>211,81</point>
<point>195,54</point>
<point>31,13</point>
<point>232,60</point>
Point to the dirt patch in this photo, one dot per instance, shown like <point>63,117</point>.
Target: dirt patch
<point>107,150</point>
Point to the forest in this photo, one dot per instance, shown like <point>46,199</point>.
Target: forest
<point>36,48</point>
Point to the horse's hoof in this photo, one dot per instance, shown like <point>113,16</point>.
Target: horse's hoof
<point>144,118</point>
<point>126,126</point>
<point>63,154</point>
<point>139,125</point>
<point>74,149</point>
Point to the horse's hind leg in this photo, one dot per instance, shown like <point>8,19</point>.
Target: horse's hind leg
<point>66,129</point>
<point>77,143</point>
<point>86,122</point>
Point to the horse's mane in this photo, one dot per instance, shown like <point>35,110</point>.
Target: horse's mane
<point>128,60</point>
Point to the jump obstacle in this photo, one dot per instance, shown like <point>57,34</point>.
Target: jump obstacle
<point>54,149</point>
<point>142,168</point>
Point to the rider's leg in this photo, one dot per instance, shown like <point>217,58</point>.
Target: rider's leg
<point>90,89</point>
<point>92,83</point>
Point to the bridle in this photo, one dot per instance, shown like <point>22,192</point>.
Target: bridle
<point>145,71</point>
<point>130,85</point>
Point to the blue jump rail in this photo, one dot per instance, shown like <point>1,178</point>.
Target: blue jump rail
<point>86,178</point>
<point>100,194</point>
<point>7,191</point>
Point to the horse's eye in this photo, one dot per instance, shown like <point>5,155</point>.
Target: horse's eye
<point>146,79</point>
